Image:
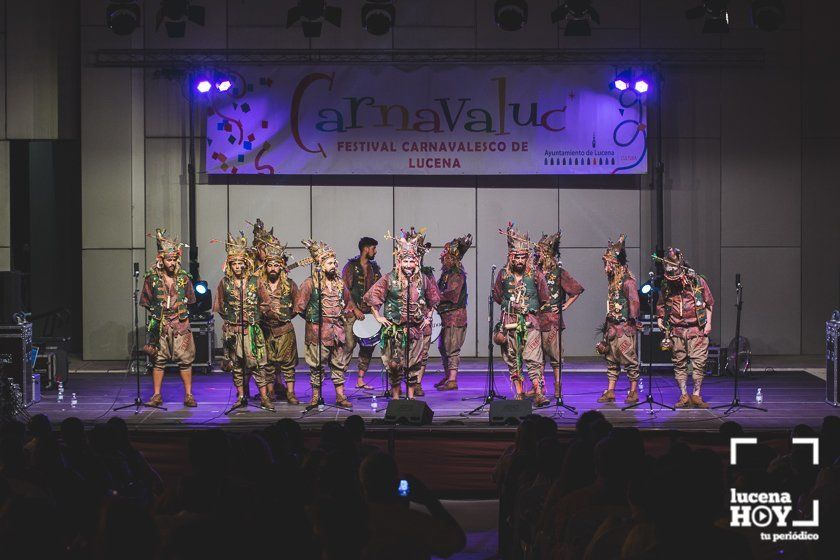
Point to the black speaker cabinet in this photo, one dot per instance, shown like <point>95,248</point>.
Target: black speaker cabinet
<point>510,411</point>
<point>416,413</point>
<point>16,340</point>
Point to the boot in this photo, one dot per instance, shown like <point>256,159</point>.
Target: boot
<point>608,396</point>
<point>316,396</point>
<point>270,394</point>
<point>418,390</point>
<point>265,402</point>
<point>241,402</point>
<point>290,394</point>
<point>442,382</point>
<point>156,400</point>
<point>684,402</point>
<point>698,402</point>
<point>541,400</point>
<point>341,399</point>
<point>448,386</point>
<point>633,393</point>
<point>189,401</point>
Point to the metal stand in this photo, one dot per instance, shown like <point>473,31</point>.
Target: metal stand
<point>244,360</point>
<point>491,394</point>
<point>736,402</point>
<point>138,402</point>
<point>649,400</point>
<point>559,405</point>
<point>320,406</point>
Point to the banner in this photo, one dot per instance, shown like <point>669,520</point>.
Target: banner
<point>455,120</point>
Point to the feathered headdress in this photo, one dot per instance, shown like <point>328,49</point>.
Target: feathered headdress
<point>615,251</point>
<point>167,246</point>
<point>319,250</point>
<point>517,242</point>
<point>549,245</point>
<point>458,246</point>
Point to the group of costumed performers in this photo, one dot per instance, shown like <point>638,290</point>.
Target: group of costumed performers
<point>257,301</point>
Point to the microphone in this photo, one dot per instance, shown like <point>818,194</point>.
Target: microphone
<point>650,274</point>
<point>737,279</point>
<point>493,269</point>
<point>136,270</point>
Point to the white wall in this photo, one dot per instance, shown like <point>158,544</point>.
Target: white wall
<point>742,178</point>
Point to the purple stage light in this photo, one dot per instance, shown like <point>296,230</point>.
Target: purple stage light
<point>223,85</point>
<point>203,86</point>
<point>640,86</point>
<point>620,84</point>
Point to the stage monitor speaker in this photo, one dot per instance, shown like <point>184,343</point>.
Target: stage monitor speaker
<point>416,413</point>
<point>509,412</point>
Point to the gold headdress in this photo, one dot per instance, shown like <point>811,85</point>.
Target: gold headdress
<point>167,246</point>
<point>458,246</point>
<point>517,241</point>
<point>319,250</point>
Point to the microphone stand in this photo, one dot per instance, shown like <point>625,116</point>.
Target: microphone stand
<point>558,381</point>
<point>319,406</point>
<point>491,377</point>
<point>736,402</point>
<point>135,360</point>
<point>649,400</point>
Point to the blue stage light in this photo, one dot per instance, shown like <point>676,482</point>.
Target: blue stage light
<point>201,287</point>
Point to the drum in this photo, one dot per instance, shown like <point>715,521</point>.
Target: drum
<point>437,325</point>
<point>368,330</point>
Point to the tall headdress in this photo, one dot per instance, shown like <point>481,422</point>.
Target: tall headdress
<point>275,252</point>
<point>237,247</point>
<point>517,242</point>
<point>549,245</point>
<point>675,265</point>
<point>167,246</point>
<point>407,244</point>
<point>262,235</point>
<point>319,250</point>
<point>418,238</point>
<point>616,252</point>
<point>458,246</point>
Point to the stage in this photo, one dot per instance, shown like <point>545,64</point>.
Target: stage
<point>792,396</point>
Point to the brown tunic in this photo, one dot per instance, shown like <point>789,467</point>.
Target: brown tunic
<point>548,315</point>
<point>272,306</point>
<point>683,304</point>
<point>333,314</point>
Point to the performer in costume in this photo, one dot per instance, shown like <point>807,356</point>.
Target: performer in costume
<point>619,343</point>
<point>684,313</point>
<point>238,303</point>
<point>564,290</point>
<point>428,272</point>
<point>359,275</point>
<point>406,315</point>
<point>262,237</point>
<point>521,290</point>
<point>452,286</point>
<point>336,305</point>
<point>277,301</point>
<point>167,291</point>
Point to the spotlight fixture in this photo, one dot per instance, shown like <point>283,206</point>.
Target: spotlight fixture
<point>378,16</point>
<point>312,14</point>
<point>640,85</point>
<point>510,15</point>
<point>223,84</point>
<point>175,14</point>
<point>122,16</point>
<point>767,15</point>
<point>201,309</point>
<point>715,14</point>
<point>577,14</point>
<point>203,85</point>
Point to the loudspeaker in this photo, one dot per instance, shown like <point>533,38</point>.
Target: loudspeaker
<point>401,411</point>
<point>510,412</point>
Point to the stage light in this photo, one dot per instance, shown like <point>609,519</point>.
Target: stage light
<point>378,16</point>
<point>577,14</point>
<point>203,85</point>
<point>200,310</point>
<point>223,85</point>
<point>715,14</point>
<point>175,14</point>
<point>312,14</point>
<point>622,80</point>
<point>767,15</point>
<point>510,15</point>
<point>646,288</point>
<point>122,16</point>
<point>641,86</point>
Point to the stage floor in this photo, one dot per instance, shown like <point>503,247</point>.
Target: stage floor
<point>792,396</point>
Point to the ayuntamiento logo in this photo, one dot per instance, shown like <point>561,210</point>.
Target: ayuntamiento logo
<point>772,510</point>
